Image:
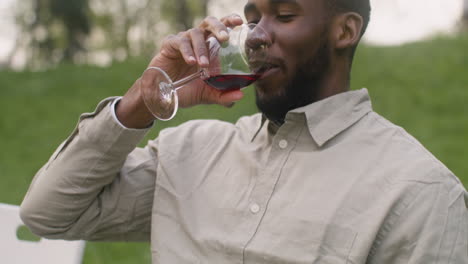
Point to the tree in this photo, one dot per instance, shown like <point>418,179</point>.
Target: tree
<point>75,18</point>
<point>183,13</point>
<point>53,31</point>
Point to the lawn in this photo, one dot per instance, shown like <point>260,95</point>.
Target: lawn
<point>422,87</point>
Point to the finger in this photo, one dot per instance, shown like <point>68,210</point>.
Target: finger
<point>229,98</point>
<point>184,46</point>
<point>216,27</point>
<point>232,20</point>
<point>199,46</point>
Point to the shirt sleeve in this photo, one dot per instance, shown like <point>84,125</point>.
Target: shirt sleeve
<point>96,186</point>
<point>432,229</point>
<point>114,115</point>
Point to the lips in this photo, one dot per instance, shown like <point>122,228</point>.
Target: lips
<point>262,67</point>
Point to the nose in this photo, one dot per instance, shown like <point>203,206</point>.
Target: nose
<point>258,38</point>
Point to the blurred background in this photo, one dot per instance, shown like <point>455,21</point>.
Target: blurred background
<point>60,58</point>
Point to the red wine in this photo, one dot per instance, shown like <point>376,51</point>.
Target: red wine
<point>226,82</point>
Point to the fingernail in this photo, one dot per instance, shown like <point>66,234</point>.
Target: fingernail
<point>204,60</point>
<point>192,59</point>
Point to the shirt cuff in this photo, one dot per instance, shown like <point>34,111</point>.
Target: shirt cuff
<point>114,115</point>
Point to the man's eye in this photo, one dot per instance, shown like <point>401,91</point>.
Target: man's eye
<point>285,18</point>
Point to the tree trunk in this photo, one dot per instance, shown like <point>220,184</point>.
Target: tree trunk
<point>184,16</point>
<point>204,4</point>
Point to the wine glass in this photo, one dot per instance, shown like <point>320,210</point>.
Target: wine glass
<point>230,68</point>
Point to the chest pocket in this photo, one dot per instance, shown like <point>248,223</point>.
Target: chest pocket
<point>181,173</point>
<point>301,242</point>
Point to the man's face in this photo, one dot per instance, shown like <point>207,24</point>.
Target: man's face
<point>298,55</point>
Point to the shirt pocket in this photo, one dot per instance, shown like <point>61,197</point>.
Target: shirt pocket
<point>303,242</point>
<point>334,244</point>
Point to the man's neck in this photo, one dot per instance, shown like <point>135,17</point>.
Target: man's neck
<point>337,80</point>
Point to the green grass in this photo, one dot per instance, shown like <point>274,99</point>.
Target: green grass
<point>423,87</point>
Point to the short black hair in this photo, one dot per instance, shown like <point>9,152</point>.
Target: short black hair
<point>361,7</point>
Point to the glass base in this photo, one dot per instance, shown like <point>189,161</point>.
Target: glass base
<point>158,93</point>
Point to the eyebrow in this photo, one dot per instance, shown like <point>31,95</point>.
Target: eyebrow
<point>252,6</point>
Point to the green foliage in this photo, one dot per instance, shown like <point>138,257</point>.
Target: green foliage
<point>57,31</point>
<point>182,13</point>
<point>422,87</point>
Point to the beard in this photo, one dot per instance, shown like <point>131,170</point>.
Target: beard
<point>302,89</point>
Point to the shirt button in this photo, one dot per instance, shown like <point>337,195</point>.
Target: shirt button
<point>283,143</point>
<point>254,208</point>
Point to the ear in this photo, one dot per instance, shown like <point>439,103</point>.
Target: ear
<point>346,31</point>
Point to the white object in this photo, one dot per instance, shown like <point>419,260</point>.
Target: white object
<point>16,251</point>
<point>395,22</point>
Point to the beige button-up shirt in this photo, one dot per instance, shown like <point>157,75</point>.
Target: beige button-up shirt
<point>336,183</point>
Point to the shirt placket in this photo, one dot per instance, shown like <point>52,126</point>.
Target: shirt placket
<point>282,144</point>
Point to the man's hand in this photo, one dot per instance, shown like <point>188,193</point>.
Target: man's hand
<point>181,55</point>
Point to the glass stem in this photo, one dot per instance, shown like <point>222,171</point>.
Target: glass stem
<point>178,84</point>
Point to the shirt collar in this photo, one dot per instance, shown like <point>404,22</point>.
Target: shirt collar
<point>331,116</point>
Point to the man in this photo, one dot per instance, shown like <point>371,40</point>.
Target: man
<point>318,177</point>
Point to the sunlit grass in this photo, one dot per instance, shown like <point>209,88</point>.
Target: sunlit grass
<point>422,87</point>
